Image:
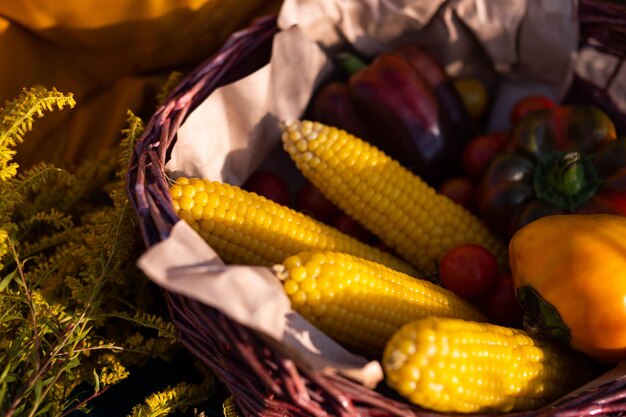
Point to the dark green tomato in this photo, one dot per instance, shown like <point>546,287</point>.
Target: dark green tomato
<point>563,160</point>
<point>509,167</point>
<point>504,191</point>
<point>566,128</point>
<point>610,164</point>
<point>534,210</point>
<point>610,159</point>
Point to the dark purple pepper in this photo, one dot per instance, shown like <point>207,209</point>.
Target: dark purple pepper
<point>404,115</point>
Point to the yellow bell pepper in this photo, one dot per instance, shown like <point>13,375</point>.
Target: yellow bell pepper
<point>569,272</point>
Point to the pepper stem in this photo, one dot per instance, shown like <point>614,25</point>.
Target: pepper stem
<point>566,179</point>
<point>568,174</point>
<point>350,62</point>
<point>541,318</point>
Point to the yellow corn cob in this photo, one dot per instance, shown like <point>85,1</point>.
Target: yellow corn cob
<point>360,303</point>
<point>389,200</point>
<point>246,228</point>
<point>452,365</point>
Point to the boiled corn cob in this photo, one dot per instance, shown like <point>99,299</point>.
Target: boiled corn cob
<point>452,365</point>
<point>246,228</point>
<point>389,200</point>
<point>360,303</point>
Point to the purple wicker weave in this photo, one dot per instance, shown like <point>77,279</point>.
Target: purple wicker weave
<point>261,381</point>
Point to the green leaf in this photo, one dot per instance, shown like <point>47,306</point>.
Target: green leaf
<point>38,390</point>
<point>44,409</point>
<point>12,318</point>
<point>49,326</point>
<point>4,374</point>
<point>20,409</point>
<point>96,381</point>
<point>48,380</point>
<point>84,333</point>
<point>3,392</point>
<point>73,363</point>
<point>7,280</point>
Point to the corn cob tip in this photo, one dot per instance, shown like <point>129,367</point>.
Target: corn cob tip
<point>301,130</point>
<point>395,360</point>
<point>289,125</point>
<point>283,124</point>
<point>280,271</point>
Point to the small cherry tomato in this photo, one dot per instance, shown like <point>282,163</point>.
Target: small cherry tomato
<point>312,202</point>
<point>351,227</point>
<point>270,186</point>
<point>462,191</point>
<point>480,151</point>
<point>468,270</point>
<point>474,96</point>
<point>500,304</point>
<point>528,105</point>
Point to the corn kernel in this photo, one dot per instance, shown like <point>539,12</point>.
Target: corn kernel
<point>291,287</point>
<point>299,297</point>
<point>176,192</point>
<point>186,203</point>
<point>298,273</point>
<point>186,216</point>
<point>197,212</point>
<point>201,198</point>
<point>189,190</point>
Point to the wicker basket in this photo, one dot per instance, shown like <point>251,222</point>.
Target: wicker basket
<point>261,381</point>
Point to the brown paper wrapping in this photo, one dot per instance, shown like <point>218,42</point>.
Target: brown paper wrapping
<point>529,44</point>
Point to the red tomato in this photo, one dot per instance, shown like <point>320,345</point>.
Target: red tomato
<point>468,270</point>
<point>530,104</point>
<point>501,305</point>
<point>351,227</point>
<point>312,202</point>
<point>270,186</point>
<point>480,151</point>
<point>462,191</point>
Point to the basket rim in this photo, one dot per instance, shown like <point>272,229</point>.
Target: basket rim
<point>280,387</point>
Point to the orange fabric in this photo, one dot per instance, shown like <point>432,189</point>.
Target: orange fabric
<point>112,55</point>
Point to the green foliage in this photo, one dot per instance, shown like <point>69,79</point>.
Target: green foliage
<point>180,396</point>
<point>172,81</point>
<point>229,408</point>
<point>73,307</point>
<point>17,119</point>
